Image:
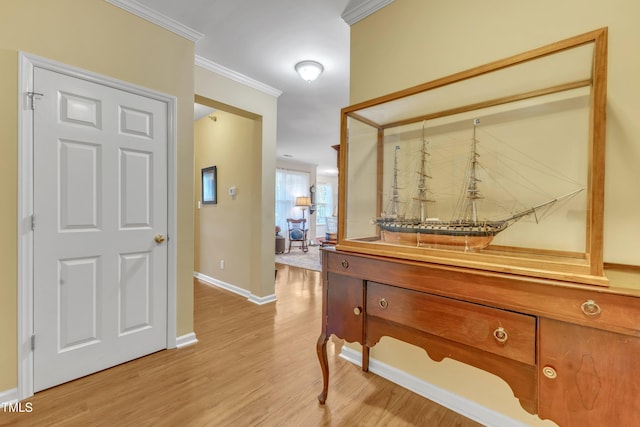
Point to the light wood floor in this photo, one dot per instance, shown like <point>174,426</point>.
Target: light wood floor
<point>253,366</point>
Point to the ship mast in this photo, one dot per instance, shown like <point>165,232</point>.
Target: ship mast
<point>473,194</point>
<point>395,193</point>
<point>423,188</point>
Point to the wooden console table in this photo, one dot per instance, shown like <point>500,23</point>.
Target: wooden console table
<point>569,352</point>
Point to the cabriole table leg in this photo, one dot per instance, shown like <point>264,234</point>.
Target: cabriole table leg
<point>321,348</point>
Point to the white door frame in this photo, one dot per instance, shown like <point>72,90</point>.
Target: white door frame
<point>27,63</point>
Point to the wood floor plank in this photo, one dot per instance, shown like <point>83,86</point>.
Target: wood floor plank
<point>253,366</point>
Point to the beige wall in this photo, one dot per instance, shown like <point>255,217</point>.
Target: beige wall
<point>414,41</point>
<point>224,231</point>
<point>95,36</point>
<point>248,152</point>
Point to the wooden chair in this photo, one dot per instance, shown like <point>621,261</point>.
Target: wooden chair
<point>297,232</point>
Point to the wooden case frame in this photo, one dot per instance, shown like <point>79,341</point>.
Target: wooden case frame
<point>582,267</point>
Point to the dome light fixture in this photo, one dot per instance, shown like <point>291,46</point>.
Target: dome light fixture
<point>309,70</point>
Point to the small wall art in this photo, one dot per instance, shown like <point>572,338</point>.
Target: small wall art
<point>210,185</point>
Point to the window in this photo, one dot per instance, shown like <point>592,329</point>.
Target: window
<point>324,202</point>
<point>289,185</point>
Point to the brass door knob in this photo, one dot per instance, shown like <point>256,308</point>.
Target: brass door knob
<point>357,311</point>
<point>159,238</point>
<point>590,308</point>
<point>501,335</point>
<point>549,372</point>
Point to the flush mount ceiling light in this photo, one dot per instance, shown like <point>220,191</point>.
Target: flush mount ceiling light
<point>309,70</point>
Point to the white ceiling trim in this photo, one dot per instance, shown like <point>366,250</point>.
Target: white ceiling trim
<point>157,18</point>
<point>357,10</point>
<point>235,76</point>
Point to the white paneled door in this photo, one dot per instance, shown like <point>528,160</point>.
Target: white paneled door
<point>100,218</point>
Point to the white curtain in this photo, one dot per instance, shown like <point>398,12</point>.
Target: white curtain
<point>289,185</point>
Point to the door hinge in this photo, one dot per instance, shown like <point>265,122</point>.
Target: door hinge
<point>33,342</point>
<point>34,96</point>
<point>33,222</point>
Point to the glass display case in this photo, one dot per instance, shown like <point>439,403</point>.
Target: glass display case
<point>497,168</point>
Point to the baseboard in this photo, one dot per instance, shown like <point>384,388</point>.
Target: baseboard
<point>220,284</point>
<point>185,340</point>
<point>9,396</point>
<point>235,289</point>
<point>262,300</point>
<point>461,405</point>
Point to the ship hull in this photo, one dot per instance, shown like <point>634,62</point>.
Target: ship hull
<point>440,234</point>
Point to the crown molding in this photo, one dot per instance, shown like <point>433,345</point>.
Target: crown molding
<point>235,76</point>
<point>357,10</point>
<point>157,18</point>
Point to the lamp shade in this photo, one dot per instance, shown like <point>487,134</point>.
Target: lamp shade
<point>309,70</point>
<point>303,201</point>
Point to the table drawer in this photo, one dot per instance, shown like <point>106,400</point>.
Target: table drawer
<point>601,310</point>
<point>490,329</point>
<point>350,264</point>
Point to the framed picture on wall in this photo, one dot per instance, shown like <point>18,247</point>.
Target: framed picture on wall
<point>210,185</point>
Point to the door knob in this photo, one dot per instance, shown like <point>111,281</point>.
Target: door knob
<point>501,335</point>
<point>159,238</point>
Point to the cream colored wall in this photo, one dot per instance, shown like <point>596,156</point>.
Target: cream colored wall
<point>224,231</point>
<point>414,41</point>
<point>99,37</point>
<point>256,169</point>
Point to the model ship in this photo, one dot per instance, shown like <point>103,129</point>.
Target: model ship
<point>467,231</point>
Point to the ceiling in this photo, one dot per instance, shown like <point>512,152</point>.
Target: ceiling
<point>263,40</point>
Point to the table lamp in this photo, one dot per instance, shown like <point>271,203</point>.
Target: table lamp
<point>303,202</point>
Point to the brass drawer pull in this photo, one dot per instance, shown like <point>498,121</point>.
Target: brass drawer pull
<point>549,372</point>
<point>357,311</point>
<point>590,308</point>
<point>383,303</point>
<point>501,335</point>
<point>345,263</point>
